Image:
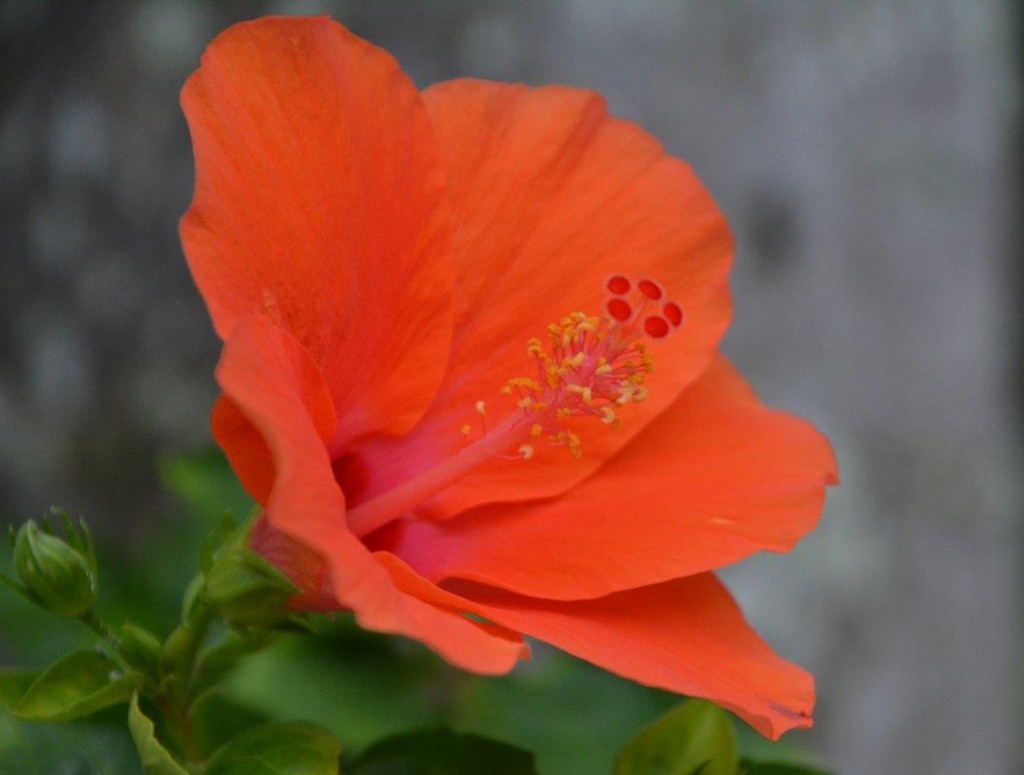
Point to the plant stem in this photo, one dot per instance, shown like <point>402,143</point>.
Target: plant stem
<point>107,636</point>
<point>98,626</point>
<point>175,701</point>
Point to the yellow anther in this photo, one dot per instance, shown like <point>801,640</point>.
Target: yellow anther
<point>573,442</point>
<point>524,382</point>
<point>586,367</point>
<point>465,430</point>
<point>481,408</point>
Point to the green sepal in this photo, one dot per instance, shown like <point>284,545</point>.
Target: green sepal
<point>247,590</point>
<point>174,650</point>
<point>155,758</point>
<point>79,538</point>
<point>286,748</point>
<point>749,767</point>
<point>215,540</point>
<point>75,686</point>
<point>440,749</point>
<point>192,602</point>
<point>694,737</point>
<point>296,624</point>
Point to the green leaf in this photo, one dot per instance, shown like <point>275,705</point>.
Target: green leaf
<point>748,767</point>
<point>155,758</point>
<point>13,685</point>
<point>205,482</point>
<point>695,737</point>
<point>441,751</point>
<point>75,686</point>
<point>285,748</point>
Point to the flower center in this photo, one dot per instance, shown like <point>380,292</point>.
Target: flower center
<point>592,367</point>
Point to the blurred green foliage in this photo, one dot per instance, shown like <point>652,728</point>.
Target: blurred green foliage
<point>695,736</point>
<point>361,686</point>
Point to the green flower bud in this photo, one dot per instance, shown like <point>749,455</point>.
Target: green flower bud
<point>246,589</point>
<point>57,576</point>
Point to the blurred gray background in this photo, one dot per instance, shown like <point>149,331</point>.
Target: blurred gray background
<point>868,157</point>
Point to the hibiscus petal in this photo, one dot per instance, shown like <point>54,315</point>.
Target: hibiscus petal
<point>714,479</point>
<point>273,384</point>
<point>320,202</point>
<point>250,458</point>
<point>687,636</point>
<point>552,196</point>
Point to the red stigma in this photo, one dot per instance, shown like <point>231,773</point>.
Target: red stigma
<point>633,303</point>
<point>656,327</point>
<point>650,289</point>
<point>619,310</point>
<point>618,285</point>
<point>674,313</point>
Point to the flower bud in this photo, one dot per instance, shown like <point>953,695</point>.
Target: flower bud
<point>57,576</point>
<point>246,589</point>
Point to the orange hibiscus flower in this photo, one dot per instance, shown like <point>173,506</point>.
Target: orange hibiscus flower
<point>470,367</point>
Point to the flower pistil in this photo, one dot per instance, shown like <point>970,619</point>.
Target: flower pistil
<point>593,367</point>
